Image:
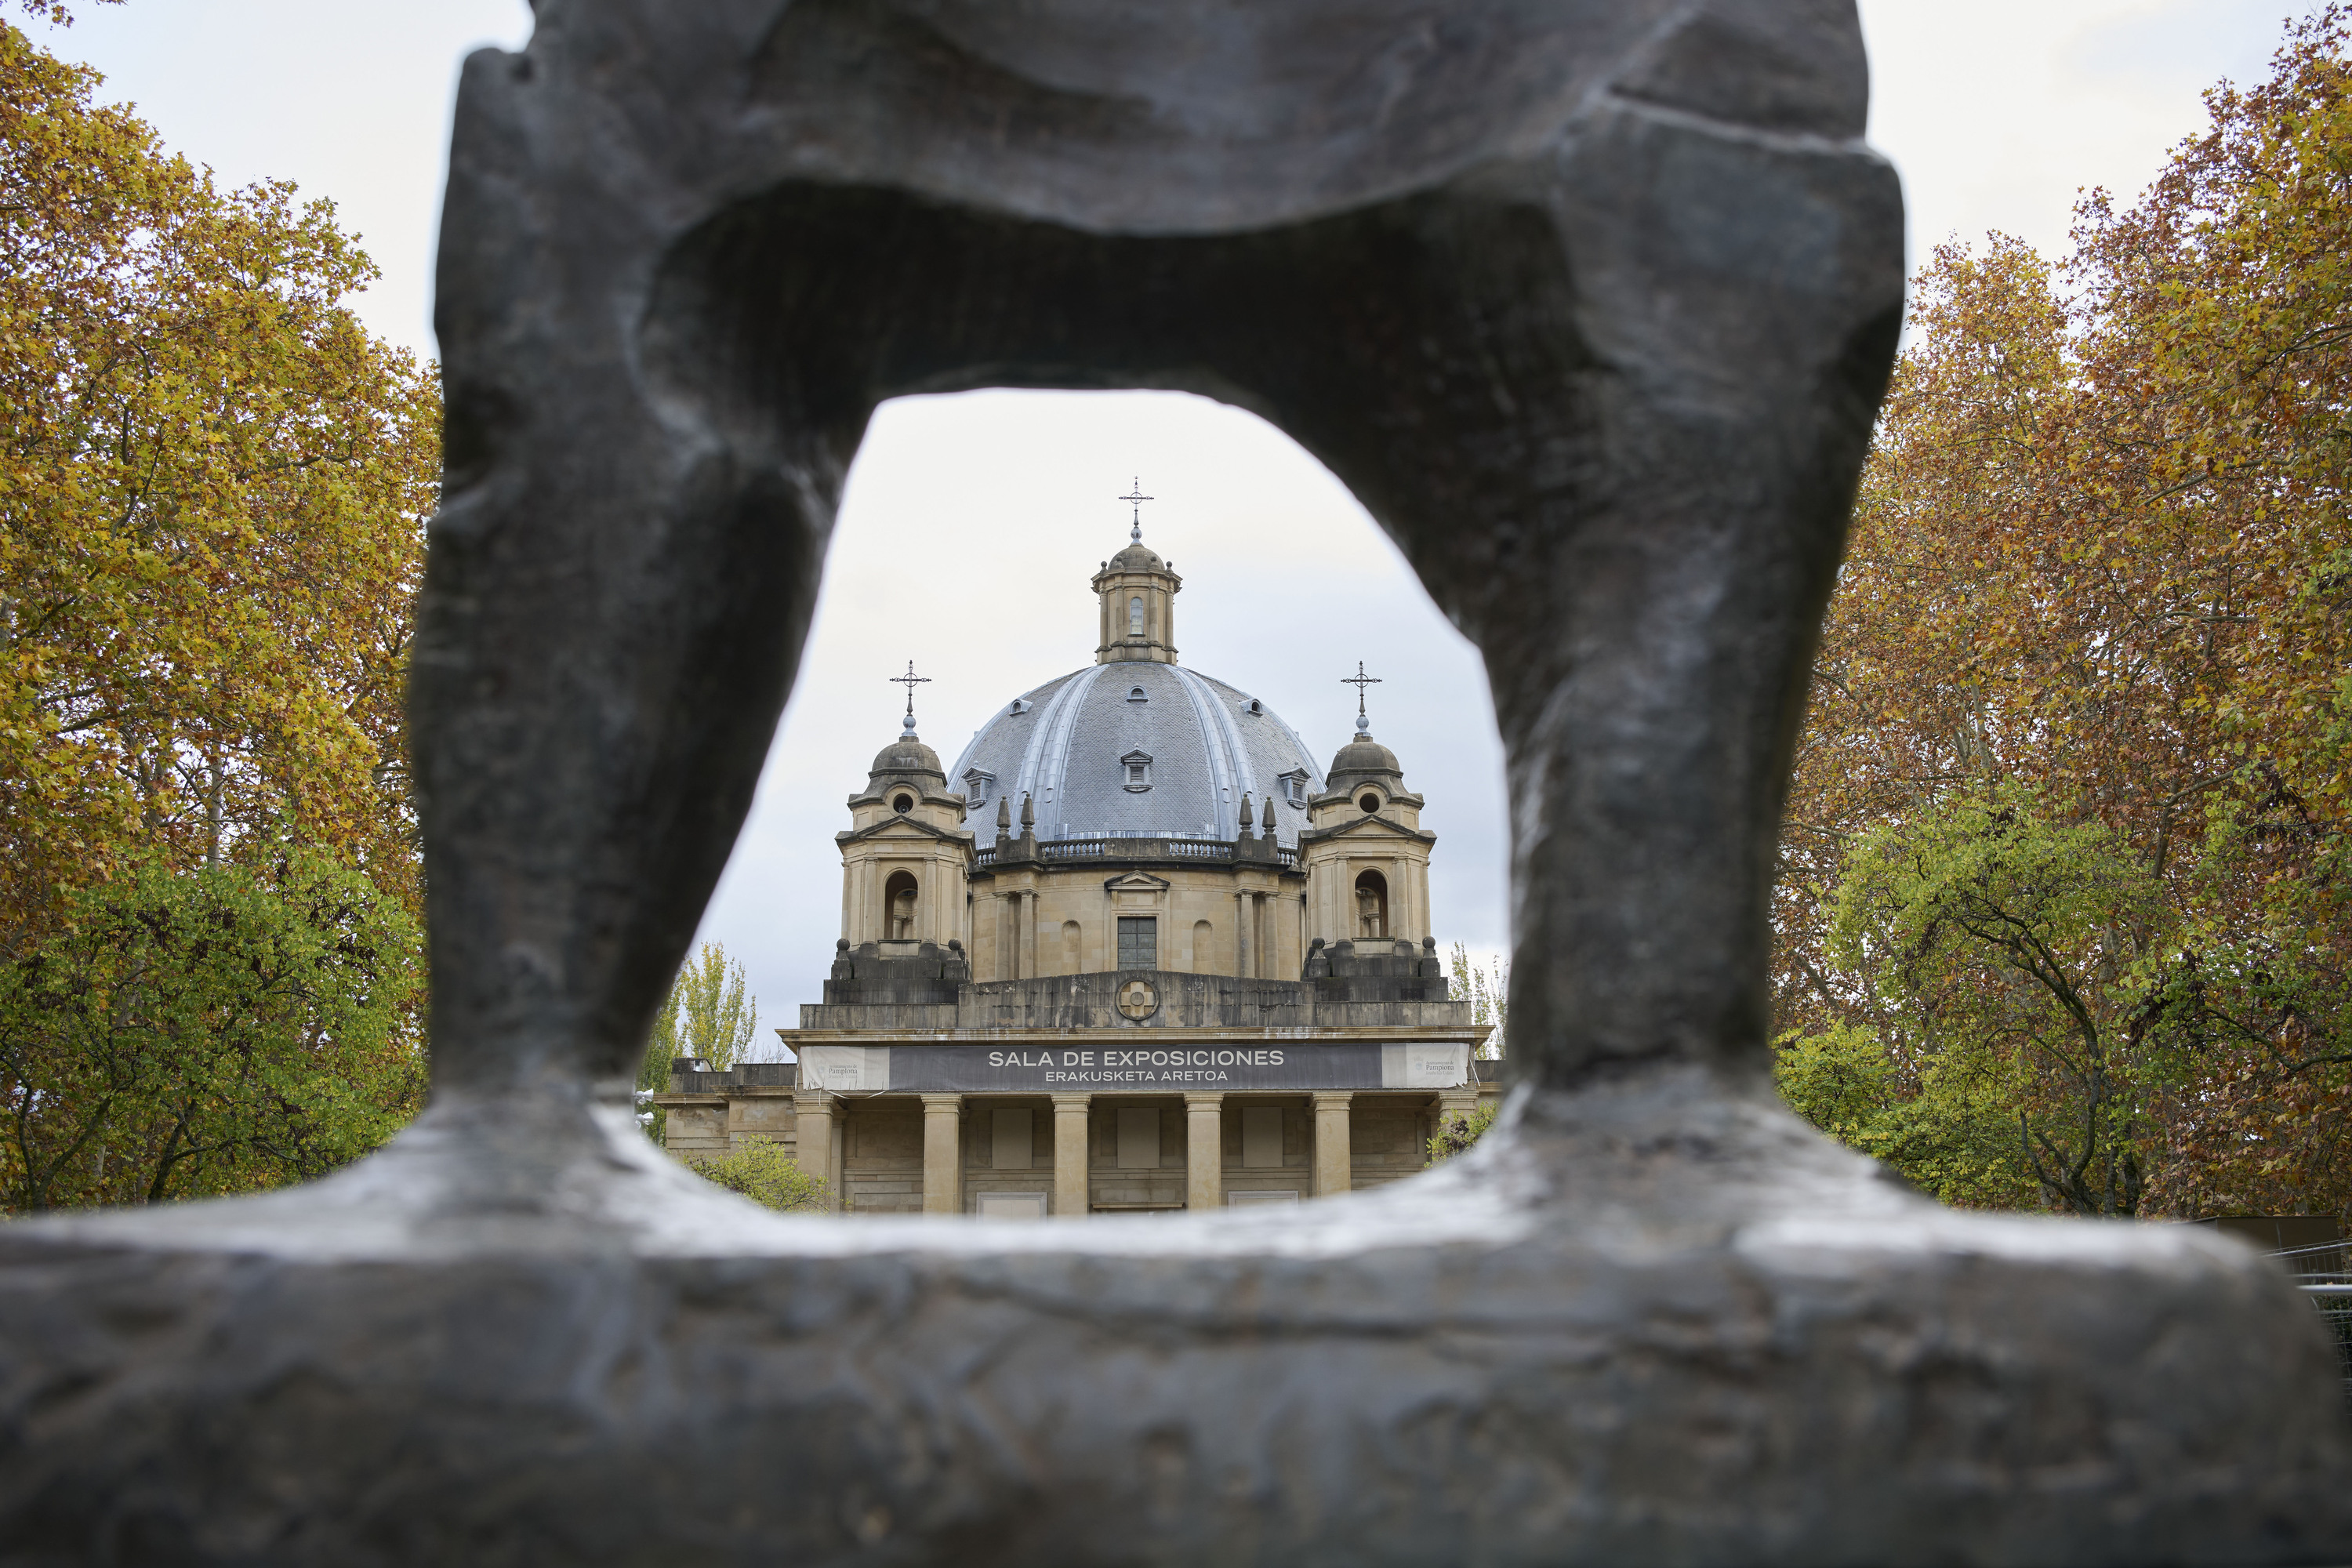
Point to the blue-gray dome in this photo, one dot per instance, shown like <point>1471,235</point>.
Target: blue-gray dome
<point>1073,746</point>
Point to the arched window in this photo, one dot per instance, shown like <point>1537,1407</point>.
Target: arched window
<point>899,901</point>
<point>1371,906</point>
<point>1135,617</point>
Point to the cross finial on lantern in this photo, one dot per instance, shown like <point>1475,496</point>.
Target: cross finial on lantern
<point>1137,498</point>
<point>909,681</point>
<point>1360,680</point>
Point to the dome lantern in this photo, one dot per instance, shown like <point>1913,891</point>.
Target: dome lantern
<point>1135,591</point>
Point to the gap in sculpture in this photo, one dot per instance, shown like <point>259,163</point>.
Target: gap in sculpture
<point>1174,978</point>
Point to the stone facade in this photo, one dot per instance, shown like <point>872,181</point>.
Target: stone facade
<point>1248,937</point>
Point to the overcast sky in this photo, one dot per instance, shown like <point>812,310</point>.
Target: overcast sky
<point>971,523</point>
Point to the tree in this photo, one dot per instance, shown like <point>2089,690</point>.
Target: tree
<point>213,487</point>
<point>709,1014</point>
<point>213,492</point>
<point>186,1033</point>
<point>1487,988</point>
<point>2005,953</point>
<point>2101,552</point>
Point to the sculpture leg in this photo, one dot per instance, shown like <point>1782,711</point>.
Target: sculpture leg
<point>609,628</point>
<point>1650,440</point>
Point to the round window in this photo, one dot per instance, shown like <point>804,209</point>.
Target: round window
<point>907,803</point>
<point>1370,803</point>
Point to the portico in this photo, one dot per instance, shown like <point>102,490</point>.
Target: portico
<point>1002,1128</point>
<point>1105,1154</point>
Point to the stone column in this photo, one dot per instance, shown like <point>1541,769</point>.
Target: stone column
<point>813,1112</point>
<point>1333,1173</point>
<point>942,1153</point>
<point>1245,936</point>
<point>1204,1150</point>
<point>1028,924</point>
<point>1072,1194</point>
<point>837,1168</point>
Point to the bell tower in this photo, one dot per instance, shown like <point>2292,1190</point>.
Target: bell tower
<point>1365,852</point>
<point>907,858</point>
<point>1136,591</point>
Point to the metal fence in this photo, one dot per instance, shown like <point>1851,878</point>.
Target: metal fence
<point>2319,1273</point>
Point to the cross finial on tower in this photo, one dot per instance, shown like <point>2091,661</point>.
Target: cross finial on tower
<point>1360,680</point>
<point>909,681</point>
<point>1137,498</point>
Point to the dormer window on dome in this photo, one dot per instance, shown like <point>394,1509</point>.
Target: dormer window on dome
<point>1136,694</point>
<point>1294,787</point>
<point>978,784</point>
<point>1139,771</point>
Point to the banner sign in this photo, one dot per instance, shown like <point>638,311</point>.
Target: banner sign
<point>1258,1067</point>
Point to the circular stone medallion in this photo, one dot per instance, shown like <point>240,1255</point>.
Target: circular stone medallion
<point>1137,1000</point>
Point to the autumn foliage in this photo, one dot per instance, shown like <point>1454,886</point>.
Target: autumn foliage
<point>213,489</point>
<point>2066,907</point>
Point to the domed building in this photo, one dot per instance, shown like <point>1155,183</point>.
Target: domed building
<point>1135,937</point>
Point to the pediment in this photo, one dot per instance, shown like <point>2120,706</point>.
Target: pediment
<point>1379,826</point>
<point>901,827</point>
<point>1136,882</point>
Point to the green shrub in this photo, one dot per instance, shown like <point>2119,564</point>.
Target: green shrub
<point>761,1171</point>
